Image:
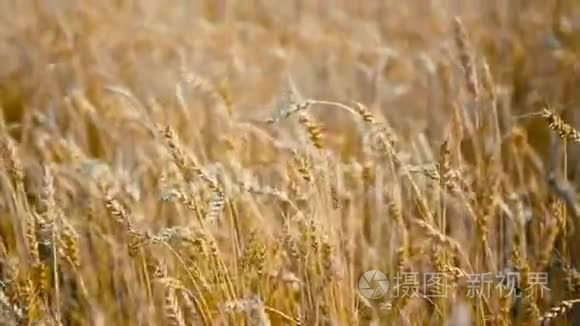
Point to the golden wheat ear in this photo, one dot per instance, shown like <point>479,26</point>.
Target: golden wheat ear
<point>559,126</point>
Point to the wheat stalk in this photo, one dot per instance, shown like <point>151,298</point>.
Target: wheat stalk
<point>559,310</point>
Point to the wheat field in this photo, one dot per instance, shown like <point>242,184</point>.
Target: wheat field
<point>261,162</point>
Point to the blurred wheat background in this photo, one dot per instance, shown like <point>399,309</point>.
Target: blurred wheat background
<point>243,162</point>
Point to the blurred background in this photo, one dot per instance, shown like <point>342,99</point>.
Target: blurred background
<point>389,55</point>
